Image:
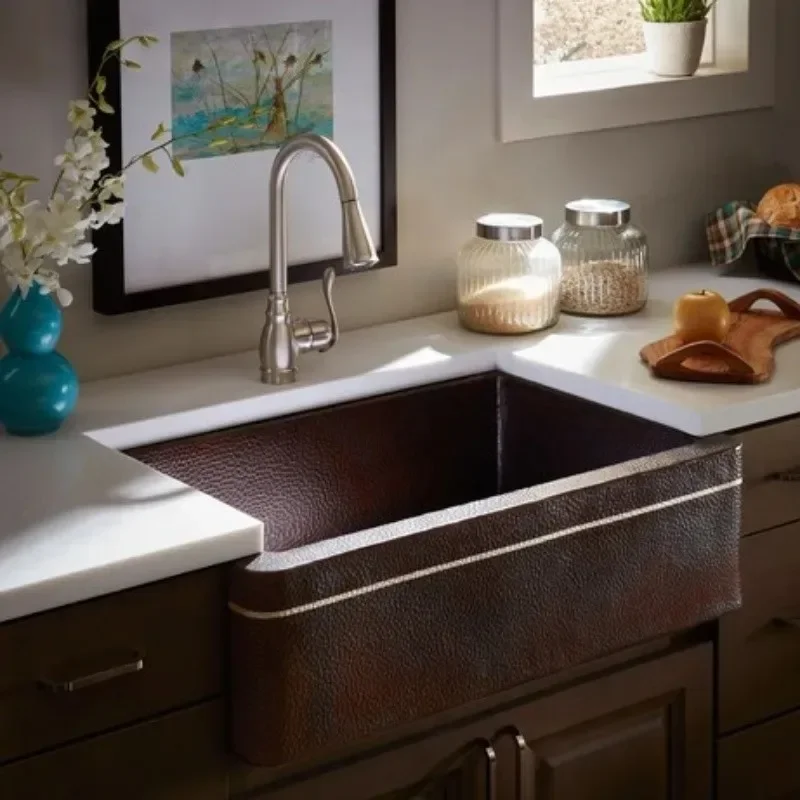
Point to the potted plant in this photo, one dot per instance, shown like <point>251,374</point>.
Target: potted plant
<point>675,34</point>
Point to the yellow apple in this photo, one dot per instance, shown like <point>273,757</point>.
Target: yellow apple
<point>702,316</point>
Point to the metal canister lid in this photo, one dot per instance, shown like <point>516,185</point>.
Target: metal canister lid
<point>509,227</point>
<point>592,213</point>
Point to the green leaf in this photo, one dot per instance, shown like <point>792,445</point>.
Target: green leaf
<point>104,105</point>
<point>218,143</point>
<point>177,167</point>
<point>100,84</point>
<point>117,44</point>
<point>126,62</point>
<point>17,227</point>
<point>675,10</point>
<point>228,121</point>
<point>147,41</point>
<point>149,163</point>
<point>249,126</point>
<point>159,132</point>
<point>15,176</point>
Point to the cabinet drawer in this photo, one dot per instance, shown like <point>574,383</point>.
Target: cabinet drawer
<point>86,668</point>
<point>760,644</point>
<point>761,763</point>
<point>177,757</point>
<point>771,473</point>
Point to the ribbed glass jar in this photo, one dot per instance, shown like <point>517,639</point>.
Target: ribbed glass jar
<point>605,259</point>
<point>509,277</point>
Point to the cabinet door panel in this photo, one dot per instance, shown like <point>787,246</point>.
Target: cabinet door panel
<point>644,732</point>
<point>455,765</point>
<point>608,758</point>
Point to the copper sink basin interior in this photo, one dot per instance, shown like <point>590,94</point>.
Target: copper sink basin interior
<point>319,475</point>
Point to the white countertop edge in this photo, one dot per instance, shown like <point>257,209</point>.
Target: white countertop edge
<point>104,579</point>
<point>297,399</point>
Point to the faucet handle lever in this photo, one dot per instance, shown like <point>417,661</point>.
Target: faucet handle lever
<point>327,292</point>
<point>318,335</point>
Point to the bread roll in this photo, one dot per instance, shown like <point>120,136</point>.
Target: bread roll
<point>780,206</point>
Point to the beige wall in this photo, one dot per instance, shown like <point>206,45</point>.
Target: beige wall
<point>451,169</point>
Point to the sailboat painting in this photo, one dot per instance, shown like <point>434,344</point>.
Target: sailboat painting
<point>237,90</point>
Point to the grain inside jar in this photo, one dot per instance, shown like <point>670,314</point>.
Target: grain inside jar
<point>515,306</point>
<point>603,288</point>
<point>605,259</point>
<point>509,277</point>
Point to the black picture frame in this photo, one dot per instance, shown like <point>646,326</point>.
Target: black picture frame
<point>109,296</point>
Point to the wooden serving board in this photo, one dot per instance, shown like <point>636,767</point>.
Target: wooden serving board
<point>747,354</point>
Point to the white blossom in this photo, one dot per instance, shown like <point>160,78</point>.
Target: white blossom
<point>83,162</point>
<point>64,218</point>
<point>107,214</point>
<point>20,271</point>
<point>34,236</point>
<point>81,114</point>
<point>49,282</point>
<point>113,186</point>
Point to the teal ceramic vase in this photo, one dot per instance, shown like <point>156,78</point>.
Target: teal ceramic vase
<point>38,386</point>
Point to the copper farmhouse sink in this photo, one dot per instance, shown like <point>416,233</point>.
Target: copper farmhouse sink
<point>435,546</point>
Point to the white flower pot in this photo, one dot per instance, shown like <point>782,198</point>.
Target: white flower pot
<point>675,49</point>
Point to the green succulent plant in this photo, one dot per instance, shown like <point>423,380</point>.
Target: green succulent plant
<point>675,10</point>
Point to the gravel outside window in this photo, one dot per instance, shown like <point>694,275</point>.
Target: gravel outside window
<point>575,30</point>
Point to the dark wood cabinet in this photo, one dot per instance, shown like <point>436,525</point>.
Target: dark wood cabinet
<point>179,756</point>
<point>644,731</point>
<point>761,763</point>
<point>760,644</point>
<point>91,667</point>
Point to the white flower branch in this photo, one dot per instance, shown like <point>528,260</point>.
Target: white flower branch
<point>84,196</point>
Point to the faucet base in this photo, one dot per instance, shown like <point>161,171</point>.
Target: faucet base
<point>278,377</point>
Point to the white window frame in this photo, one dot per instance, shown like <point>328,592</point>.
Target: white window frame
<point>621,93</point>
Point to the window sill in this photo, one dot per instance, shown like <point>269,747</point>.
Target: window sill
<point>554,80</point>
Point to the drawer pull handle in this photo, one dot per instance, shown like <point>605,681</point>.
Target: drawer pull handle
<point>134,662</point>
<point>786,476</point>
<point>788,622</point>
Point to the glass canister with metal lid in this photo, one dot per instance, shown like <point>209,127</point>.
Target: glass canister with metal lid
<point>605,259</point>
<point>509,276</point>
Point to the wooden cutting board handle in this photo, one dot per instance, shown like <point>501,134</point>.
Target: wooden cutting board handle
<point>747,354</point>
<point>672,366</point>
<point>785,304</point>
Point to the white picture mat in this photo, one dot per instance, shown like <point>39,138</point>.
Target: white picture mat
<point>214,222</point>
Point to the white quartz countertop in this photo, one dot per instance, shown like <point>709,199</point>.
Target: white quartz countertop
<point>80,519</point>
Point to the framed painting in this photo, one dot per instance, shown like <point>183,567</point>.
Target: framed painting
<point>230,82</point>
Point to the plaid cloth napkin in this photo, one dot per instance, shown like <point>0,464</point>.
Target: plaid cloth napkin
<point>730,228</point>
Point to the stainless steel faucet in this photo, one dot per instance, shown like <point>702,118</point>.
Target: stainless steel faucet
<point>284,338</point>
